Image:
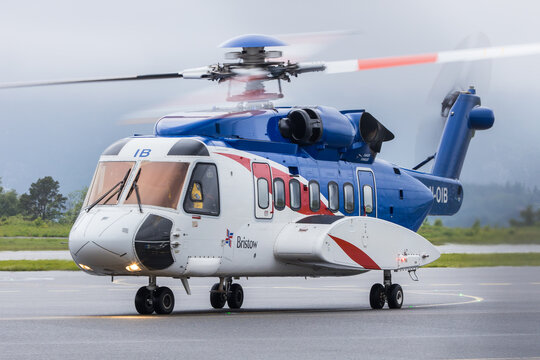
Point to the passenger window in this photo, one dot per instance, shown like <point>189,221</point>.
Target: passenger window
<point>368,199</point>
<point>314,196</point>
<point>333,196</point>
<point>203,191</point>
<point>262,192</point>
<point>348,197</point>
<point>279,194</point>
<point>294,189</point>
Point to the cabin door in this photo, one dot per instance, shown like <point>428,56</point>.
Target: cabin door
<point>262,181</point>
<point>367,193</point>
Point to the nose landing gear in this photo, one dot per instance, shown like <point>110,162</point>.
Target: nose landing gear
<point>226,292</point>
<point>153,298</point>
<point>391,293</point>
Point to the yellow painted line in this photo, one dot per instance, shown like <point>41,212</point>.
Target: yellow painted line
<point>535,283</point>
<point>445,284</point>
<point>9,291</point>
<point>495,284</point>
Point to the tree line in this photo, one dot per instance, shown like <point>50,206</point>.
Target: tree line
<point>43,200</point>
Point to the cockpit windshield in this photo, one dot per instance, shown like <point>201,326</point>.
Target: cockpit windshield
<point>159,183</point>
<point>109,177</point>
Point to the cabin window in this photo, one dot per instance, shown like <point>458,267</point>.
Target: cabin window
<point>333,196</point>
<point>348,197</point>
<point>262,193</point>
<point>294,189</point>
<point>203,191</point>
<point>314,196</point>
<point>279,194</point>
<point>368,199</point>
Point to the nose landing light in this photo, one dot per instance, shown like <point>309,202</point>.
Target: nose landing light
<point>133,267</point>
<point>86,267</point>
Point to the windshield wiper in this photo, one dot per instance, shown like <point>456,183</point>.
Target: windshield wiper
<point>119,191</point>
<point>136,187</point>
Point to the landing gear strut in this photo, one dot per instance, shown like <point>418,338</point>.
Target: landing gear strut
<point>391,293</point>
<point>226,292</point>
<point>154,298</point>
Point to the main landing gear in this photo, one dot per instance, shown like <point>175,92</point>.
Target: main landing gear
<point>154,298</point>
<point>226,292</point>
<point>391,293</point>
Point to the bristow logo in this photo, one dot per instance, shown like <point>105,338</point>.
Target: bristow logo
<point>228,239</point>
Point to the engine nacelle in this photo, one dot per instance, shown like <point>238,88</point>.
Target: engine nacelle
<point>321,125</point>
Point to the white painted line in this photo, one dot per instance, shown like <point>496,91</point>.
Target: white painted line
<point>495,284</point>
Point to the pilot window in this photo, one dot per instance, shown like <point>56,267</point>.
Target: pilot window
<point>279,194</point>
<point>314,196</point>
<point>262,193</point>
<point>348,197</point>
<point>108,181</point>
<point>333,196</point>
<point>160,183</point>
<point>294,189</point>
<point>203,191</point>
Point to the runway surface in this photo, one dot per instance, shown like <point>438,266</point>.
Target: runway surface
<point>449,314</point>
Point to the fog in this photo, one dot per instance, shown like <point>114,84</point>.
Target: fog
<point>61,131</point>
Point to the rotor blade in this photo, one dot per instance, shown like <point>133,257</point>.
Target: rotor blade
<point>80,81</point>
<point>334,67</point>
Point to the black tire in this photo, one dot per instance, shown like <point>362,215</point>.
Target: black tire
<point>377,296</point>
<point>235,297</point>
<point>163,300</point>
<point>144,301</point>
<point>217,299</point>
<point>395,296</point>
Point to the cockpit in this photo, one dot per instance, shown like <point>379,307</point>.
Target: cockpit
<point>156,183</point>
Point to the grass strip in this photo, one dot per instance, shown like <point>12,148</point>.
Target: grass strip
<point>37,265</point>
<point>483,260</point>
<point>440,235</point>
<point>33,244</point>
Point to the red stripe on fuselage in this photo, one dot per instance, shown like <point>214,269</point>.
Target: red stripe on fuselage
<point>244,161</point>
<point>357,255</point>
<point>367,64</point>
<point>304,207</point>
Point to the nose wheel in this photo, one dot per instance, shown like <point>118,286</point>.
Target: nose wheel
<point>226,292</point>
<point>152,298</point>
<point>391,293</point>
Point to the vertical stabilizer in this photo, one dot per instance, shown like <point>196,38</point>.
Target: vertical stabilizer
<point>465,117</point>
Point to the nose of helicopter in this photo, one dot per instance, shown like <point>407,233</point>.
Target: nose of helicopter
<point>101,242</point>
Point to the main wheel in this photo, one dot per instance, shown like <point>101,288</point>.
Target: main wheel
<point>235,297</point>
<point>163,300</point>
<point>217,299</point>
<point>395,296</point>
<point>144,301</point>
<point>377,296</point>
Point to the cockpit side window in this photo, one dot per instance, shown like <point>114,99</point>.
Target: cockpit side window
<point>203,191</point>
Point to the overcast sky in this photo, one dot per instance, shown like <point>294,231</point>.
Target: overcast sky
<point>61,131</point>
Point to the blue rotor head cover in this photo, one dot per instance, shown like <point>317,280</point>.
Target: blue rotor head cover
<point>252,40</point>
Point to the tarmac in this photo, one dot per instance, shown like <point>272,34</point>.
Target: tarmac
<point>472,313</point>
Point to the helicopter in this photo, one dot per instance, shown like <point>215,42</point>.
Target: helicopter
<point>261,190</point>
